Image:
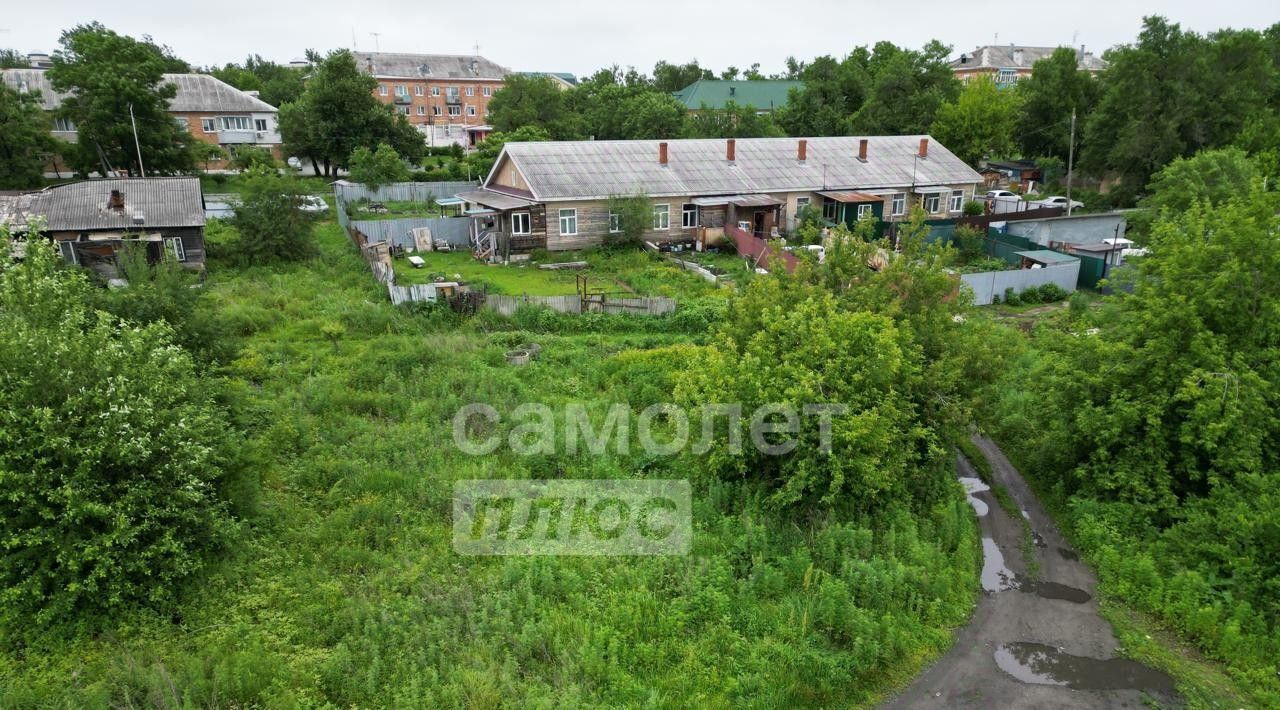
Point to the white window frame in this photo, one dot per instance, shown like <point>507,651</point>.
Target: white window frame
<point>181,123</point>
<point>471,110</point>
<point>261,124</point>
<point>417,90</point>
<point>801,203</point>
<point>402,110</point>
<point>422,110</point>
<point>68,250</point>
<point>209,125</point>
<point>382,89</point>
<point>662,218</point>
<point>865,208</point>
<point>64,125</point>
<point>471,91</point>
<point>615,223</point>
<point>435,110</point>
<point>830,210</point>
<point>455,110</point>
<point>898,204</point>
<point>1006,76</point>
<point>241,123</point>
<point>518,217</point>
<point>932,203</point>
<point>402,90</point>
<point>487,91</point>
<point>957,200</point>
<point>435,91</point>
<point>688,215</point>
<point>568,221</point>
<point>175,246</point>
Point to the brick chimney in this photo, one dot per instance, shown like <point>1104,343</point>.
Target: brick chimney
<point>116,201</point>
<point>802,150</point>
<point>730,151</point>
<point>862,150</point>
<point>662,153</point>
<point>924,148</point>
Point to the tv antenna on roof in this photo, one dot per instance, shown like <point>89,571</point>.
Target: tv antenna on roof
<point>377,46</point>
<point>477,47</point>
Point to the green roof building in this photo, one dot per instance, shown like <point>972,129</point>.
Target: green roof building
<point>763,94</point>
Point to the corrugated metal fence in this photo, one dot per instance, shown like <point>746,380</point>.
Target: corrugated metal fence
<point>455,230</point>
<point>507,305</point>
<point>401,191</point>
<point>989,283</point>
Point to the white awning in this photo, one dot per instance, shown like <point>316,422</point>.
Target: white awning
<point>932,190</point>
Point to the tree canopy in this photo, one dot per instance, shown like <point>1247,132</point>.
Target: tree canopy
<point>111,77</point>
<point>338,113</point>
<point>25,143</point>
<point>981,123</point>
<point>1056,86</point>
<point>276,84</point>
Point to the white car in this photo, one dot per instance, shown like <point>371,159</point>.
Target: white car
<point>313,203</point>
<point>1001,195</point>
<point>1060,201</point>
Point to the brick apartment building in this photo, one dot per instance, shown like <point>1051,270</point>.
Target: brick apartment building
<point>445,96</point>
<point>213,111</point>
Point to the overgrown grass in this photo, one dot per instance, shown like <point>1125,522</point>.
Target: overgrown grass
<point>347,592</point>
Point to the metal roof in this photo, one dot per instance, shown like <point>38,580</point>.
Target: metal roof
<point>851,196</point>
<point>762,94</point>
<point>196,92</point>
<point>495,200</point>
<point>1017,57</point>
<point>15,209</point>
<point>1044,256</point>
<point>159,202</point>
<point>394,65</point>
<point>564,170</point>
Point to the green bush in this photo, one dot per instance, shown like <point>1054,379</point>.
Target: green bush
<point>270,221</point>
<point>1011,297</point>
<point>115,462</point>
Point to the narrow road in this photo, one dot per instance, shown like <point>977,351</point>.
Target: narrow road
<point>1032,642</point>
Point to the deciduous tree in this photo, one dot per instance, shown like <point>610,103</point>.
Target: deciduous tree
<point>25,143</point>
<point>980,123</point>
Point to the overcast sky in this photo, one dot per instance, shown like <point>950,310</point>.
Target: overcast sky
<point>580,36</point>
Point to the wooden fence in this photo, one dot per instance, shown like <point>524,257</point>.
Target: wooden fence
<point>758,249</point>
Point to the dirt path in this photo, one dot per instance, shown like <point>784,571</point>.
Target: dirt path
<point>1031,643</point>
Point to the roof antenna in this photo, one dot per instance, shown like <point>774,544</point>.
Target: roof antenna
<point>377,46</point>
<point>477,47</point>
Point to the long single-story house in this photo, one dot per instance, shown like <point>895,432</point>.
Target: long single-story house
<point>92,220</point>
<point>555,194</point>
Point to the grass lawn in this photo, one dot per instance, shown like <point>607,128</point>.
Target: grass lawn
<point>344,590</point>
<point>398,209</point>
<point>613,271</point>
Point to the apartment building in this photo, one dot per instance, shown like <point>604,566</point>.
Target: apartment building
<point>446,96</point>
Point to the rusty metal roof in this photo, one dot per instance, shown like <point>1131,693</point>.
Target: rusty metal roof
<point>567,170</point>
<point>851,196</point>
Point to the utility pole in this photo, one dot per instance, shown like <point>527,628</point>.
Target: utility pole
<point>1071,158</point>
<point>137,146</point>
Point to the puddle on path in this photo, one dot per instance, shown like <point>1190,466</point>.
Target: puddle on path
<point>973,486</point>
<point>996,577</point>
<point>1053,590</point>
<point>1039,664</point>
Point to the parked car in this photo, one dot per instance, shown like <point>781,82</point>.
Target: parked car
<point>313,203</point>
<point>1000,195</point>
<point>1059,201</point>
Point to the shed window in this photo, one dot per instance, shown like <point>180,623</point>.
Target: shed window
<point>688,215</point>
<point>569,222</point>
<point>68,250</point>
<point>175,246</point>
<point>520,223</point>
<point>615,223</point>
<point>662,217</point>
<point>957,200</point>
<point>899,204</point>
